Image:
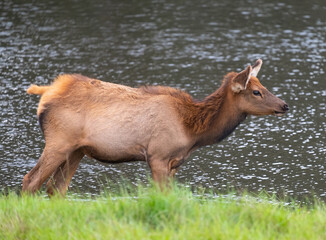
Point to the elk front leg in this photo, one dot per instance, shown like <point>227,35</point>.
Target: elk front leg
<point>174,165</point>
<point>160,172</point>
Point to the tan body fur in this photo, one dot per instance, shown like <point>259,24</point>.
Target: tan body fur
<point>114,123</point>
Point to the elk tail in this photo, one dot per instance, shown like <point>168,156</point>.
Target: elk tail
<point>38,90</point>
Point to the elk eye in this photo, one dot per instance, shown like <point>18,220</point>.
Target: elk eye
<point>256,93</point>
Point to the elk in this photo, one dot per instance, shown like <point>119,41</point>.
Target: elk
<point>161,125</point>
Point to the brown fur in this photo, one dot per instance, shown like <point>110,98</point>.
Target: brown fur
<point>114,123</point>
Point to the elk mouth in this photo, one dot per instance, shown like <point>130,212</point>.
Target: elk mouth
<point>277,113</point>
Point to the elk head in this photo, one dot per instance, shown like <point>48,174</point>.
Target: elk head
<point>252,97</point>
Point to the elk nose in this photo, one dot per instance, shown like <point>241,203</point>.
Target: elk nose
<point>286,107</point>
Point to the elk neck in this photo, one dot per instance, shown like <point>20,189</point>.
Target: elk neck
<point>215,117</point>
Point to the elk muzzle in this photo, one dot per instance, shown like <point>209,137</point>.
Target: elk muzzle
<point>284,108</point>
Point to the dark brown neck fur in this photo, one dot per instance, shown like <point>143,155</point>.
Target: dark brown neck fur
<point>217,116</point>
<point>201,117</point>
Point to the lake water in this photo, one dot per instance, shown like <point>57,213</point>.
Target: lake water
<point>186,44</point>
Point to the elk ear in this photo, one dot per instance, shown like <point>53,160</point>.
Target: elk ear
<point>256,67</point>
<point>241,80</point>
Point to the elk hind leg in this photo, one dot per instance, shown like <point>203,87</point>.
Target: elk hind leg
<point>62,176</point>
<point>48,162</point>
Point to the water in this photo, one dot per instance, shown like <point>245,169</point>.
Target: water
<point>186,44</point>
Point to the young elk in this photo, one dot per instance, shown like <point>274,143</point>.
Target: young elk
<point>160,125</point>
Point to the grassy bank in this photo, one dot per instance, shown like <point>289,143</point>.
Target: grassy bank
<point>151,214</point>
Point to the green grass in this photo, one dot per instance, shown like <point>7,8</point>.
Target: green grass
<point>148,213</point>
